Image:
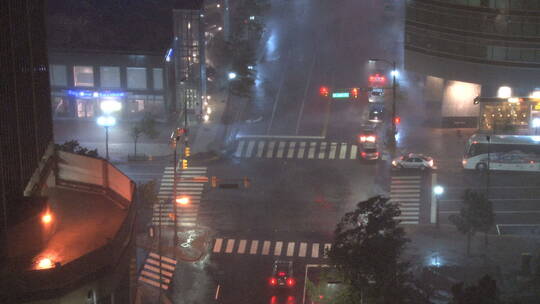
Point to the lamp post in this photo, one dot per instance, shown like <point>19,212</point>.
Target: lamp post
<point>106,121</point>
<point>394,84</point>
<point>438,190</point>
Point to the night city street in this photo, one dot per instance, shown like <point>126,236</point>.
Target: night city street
<point>272,151</point>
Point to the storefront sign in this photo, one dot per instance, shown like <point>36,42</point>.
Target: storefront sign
<point>90,94</point>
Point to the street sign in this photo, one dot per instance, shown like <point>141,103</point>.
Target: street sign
<point>340,95</point>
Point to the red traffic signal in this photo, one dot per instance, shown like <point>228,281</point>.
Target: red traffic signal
<point>397,120</point>
<point>354,92</point>
<point>324,91</point>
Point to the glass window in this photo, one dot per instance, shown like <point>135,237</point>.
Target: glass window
<point>158,78</point>
<point>136,105</point>
<point>84,76</point>
<point>58,75</point>
<point>136,78</point>
<point>110,77</point>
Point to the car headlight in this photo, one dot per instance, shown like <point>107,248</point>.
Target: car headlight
<point>394,163</point>
<point>430,163</point>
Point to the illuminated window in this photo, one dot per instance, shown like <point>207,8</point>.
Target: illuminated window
<point>83,76</point>
<point>136,78</point>
<point>58,75</point>
<point>109,77</point>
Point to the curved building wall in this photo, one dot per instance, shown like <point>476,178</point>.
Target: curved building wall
<point>490,43</point>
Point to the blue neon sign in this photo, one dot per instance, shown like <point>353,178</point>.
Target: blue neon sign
<point>90,94</point>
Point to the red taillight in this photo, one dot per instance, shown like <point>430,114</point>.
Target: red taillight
<point>273,281</point>
<point>281,274</point>
<point>291,282</point>
<point>363,154</point>
<point>377,154</point>
<point>324,91</point>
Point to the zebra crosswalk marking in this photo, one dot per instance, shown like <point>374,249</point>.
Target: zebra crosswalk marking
<point>315,251</point>
<point>277,249</point>
<point>290,249</point>
<point>290,153</point>
<point>322,151</point>
<point>281,149</point>
<point>343,151</point>
<point>239,149</point>
<point>301,150</point>
<point>254,246</point>
<point>242,246</point>
<point>332,153</point>
<point>311,152</point>
<point>354,150</point>
<point>405,191</point>
<point>302,250</point>
<point>250,147</point>
<point>327,247</point>
<point>266,248</point>
<point>260,148</point>
<point>230,246</point>
<point>270,151</point>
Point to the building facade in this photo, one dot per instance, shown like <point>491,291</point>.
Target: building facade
<point>25,120</point>
<point>472,46</point>
<point>82,80</point>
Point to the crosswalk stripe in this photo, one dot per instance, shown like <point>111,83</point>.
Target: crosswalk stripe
<point>394,200</point>
<point>230,246</point>
<point>409,222</point>
<point>404,191</point>
<point>311,152</point>
<point>250,147</point>
<point>302,250</point>
<point>290,249</point>
<point>315,250</point>
<point>327,247</point>
<point>332,153</point>
<point>405,177</point>
<point>280,150</point>
<point>354,149</point>
<point>406,213</point>
<point>217,245</point>
<point>301,150</point>
<point>242,246</point>
<point>266,248</point>
<point>290,152</point>
<point>322,150</point>
<point>238,152</point>
<point>342,151</point>
<point>405,195</point>
<point>254,246</point>
<point>277,249</point>
<point>270,151</point>
<point>260,148</point>
<point>406,217</point>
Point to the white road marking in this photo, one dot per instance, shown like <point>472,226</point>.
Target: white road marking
<point>250,147</point>
<point>311,152</point>
<point>354,150</point>
<point>281,149</point>
<point>327,247</point>
<point>290,152</point>
<point>254,246</point>
<point>242,246</point>
<point>270,151</point>
<point>404,191</point>
<point>315,250</point>
<point>277,249</point>
<point>405,177</point>
<point>238,152</point>
<point>260,149</point>
<point>332,153</point>
<point>266,248</point>
<point>230,246</point>
<point>217,245</point>
<point>322,150</point>
<point>290,249</point>
<point>302,250</point>
<point>301,150</point>
<point>343,151</point>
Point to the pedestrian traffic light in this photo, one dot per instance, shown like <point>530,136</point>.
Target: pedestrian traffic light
<point>354,92</point>
<point>187,152</point>
<point>324,91</point>
<point>397,120</point>
<point>180,131</point>
<point>184,164</point>
<point>214,181</point>
<point>247,182</point>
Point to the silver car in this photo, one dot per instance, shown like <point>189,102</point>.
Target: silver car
<point>413,161</point>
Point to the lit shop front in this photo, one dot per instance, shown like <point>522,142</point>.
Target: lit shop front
<point>513,115</point>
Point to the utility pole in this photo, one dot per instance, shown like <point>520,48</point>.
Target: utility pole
<point>394,71</point>
<point>226,20</point>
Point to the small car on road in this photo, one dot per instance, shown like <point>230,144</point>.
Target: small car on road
<point>413,161</point>
<point>282,274</point>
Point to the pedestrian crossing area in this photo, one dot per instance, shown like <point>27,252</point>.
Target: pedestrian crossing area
<point>190,184</point>
<point>405,191</point>
<point>271,248</point>
<point>158,274</point>
<point>295,149</point>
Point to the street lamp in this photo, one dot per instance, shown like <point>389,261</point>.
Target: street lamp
<point>394,74</point>
<point>106,121</point>
<point>438,190</point>
<point>232,75</point>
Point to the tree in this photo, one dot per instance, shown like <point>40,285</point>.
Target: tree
<point>73,146</point>
<point>367,249</point>
<point>476,214</point>
<point>485,292</point>
<point>146,126</point>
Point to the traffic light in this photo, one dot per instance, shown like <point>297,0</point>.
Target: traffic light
<point>214,181</point>
<point>180,131</point>
<point>184,164</point>
<point>397,120</point>
<point>247,182</point>
<point>172,216</point>
<point>354,92</point>
<point>324,91</point>
<point>187,152</point>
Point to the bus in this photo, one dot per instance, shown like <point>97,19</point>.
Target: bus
<point>502,152</point>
